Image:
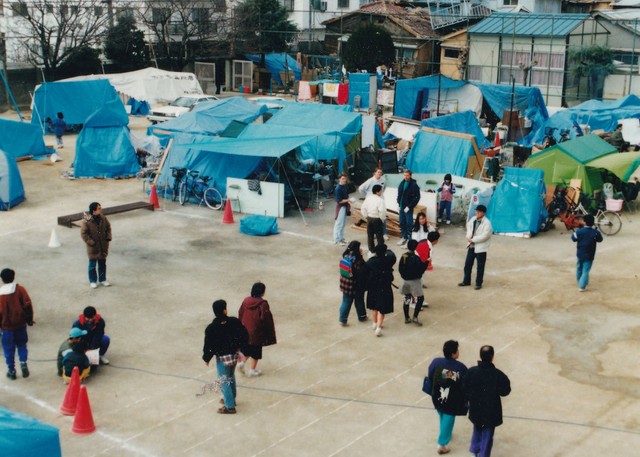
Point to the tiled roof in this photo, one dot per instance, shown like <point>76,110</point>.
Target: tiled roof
<point>557,25</point>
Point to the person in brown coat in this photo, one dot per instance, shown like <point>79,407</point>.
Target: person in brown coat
<point>96,233</point>
<point>256,316</point>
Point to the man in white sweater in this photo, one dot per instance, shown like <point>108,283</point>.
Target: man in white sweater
<point>375,212</point>
<point>366,189</point>
<point>479,231</point>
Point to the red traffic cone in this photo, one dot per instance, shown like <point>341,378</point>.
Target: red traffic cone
<point>496,143</point>
<point>153,197</point>
<point>227,217</point>
<point>70,402</point>
<point>83,421</point>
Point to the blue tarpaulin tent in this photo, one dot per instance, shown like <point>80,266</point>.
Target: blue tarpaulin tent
<point>77,100</point>
<point>277,63</point>
<point>464,122</point>
<point>103,148</point>
<point>437,153</point>
<point>24,436</point>
<point>211,118</point>
<point>21,139</point>
<point>517,205</point>
<point>11,188</point>
<point>409,93</point>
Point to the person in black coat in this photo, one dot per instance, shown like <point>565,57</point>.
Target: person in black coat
<point>483,386</point>
<point>223,338</point>
<point>379,293</point>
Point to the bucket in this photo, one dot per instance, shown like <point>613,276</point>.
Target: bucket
<point>247,90</point>
<point>613,205</point>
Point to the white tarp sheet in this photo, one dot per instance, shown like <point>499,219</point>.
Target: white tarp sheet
<point>150,84</point>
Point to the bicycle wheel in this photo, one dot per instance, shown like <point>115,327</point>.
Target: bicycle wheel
<point>213,198</point>
<point>609,222</point>
<point>175,190</point>
<point>183,195</point>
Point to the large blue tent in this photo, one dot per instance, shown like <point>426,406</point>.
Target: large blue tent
<point>104,148</point>
<point>24,436</point>
<point>21,139</point>
<point>277,63</point>
<point>464,122</point>
<point>11,188</point>
<point>437,153</point>
<point>410,92</point>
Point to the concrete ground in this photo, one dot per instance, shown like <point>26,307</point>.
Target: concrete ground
<point>325,390</point>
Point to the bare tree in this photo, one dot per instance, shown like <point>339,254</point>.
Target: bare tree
<point>49,32</point>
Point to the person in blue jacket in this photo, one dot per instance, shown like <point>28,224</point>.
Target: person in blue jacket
<point>59,126</point>
<point>587,238</point>
<point>408,198</point>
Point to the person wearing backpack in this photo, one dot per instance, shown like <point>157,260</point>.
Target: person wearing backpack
<point>353,282</point>
<point>444,384</point>
<point>379,293</point>
<point>411,269</point>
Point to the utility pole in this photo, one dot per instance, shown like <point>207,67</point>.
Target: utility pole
<point>109,11</point>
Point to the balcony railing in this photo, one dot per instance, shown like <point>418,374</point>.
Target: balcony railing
<point>444,17</point>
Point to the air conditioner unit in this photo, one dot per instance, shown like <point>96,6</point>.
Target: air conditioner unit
<point>322,6</point>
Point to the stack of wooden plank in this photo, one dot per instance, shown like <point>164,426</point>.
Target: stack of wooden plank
<point>393,222</point>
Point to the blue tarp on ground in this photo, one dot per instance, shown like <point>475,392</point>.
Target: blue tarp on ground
<point>11,188</point>
<point>464,122</point>
<point>77,100</point>
<point>408,91</point>
<point>517,205</point>
<point>211,118</point>
<point>277,63</point>
<point>22,436</point>
<point>103,148</point>
<point>257,225</point>
<point>21,139</point>
<point>598,115</point>
<point>434,153</point>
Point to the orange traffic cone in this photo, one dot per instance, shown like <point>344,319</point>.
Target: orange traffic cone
<point>496,143</point>
<point>70,402</point>
<point>153,197</point>
<point>227,217</point>
<point>83,422</point>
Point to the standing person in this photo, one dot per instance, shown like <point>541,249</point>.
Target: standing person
<point>446,189</point>
<point>408,198</point>
<point>420,228</point>
<point>95,338</point>
<point>256,316</point>
<point>353,283</point>
<point>366,189</point>
<point>483,386</point>
<point>16,312</point>
<point>445,375</point>
<point>425,252</point>
<point>379,293</point>
<point>59,126</point>
<point>343,209</point>
<point>411,269</point>
<point>375,211</point>
<point>223,338</point>
<point>96,233</point>
<point>587,238</point>
<point>479,233</point>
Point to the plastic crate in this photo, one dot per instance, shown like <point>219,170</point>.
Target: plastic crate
<point>613,205</point>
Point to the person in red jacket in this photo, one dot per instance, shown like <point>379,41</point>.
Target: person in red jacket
<point>16,312</point>
<point>256,316</point>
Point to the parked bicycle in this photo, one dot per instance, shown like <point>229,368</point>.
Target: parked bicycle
<point>178,174</point>
<point>197,186</point>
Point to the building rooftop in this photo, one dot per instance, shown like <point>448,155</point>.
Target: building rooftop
<point>528,24</point>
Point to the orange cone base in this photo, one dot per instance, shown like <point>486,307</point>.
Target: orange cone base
<point>227,217</point>
<point>83,421</point>
<point>153,197</point>
<point>70,402</point>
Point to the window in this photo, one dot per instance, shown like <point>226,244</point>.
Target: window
<point>474,73</point>
<point>220,6</point>
<point>98,11</point>
<point>451,53</point>
<point>20,9</point>
<point>510,63</point>
<point>48,8</point>
<point>547,69</point>
<point>124,12</point>
<point>509,2</point>
<point>626,57</point>
<point>64,11</point>
<point>343,3</point>
<point>176,28</point>
<point>405,55</point>
<point>160,15</point>
<point>201,18</point>
<point>289,5</point>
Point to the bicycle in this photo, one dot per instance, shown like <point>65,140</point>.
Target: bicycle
<point>178,174</point>
<point>199,188</point>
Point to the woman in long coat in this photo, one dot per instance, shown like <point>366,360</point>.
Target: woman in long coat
<point>379,293</point>
<point>256,316</point>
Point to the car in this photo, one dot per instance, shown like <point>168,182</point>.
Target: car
<point>177,107</point>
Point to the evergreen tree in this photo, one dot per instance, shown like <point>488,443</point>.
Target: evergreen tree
<point>368,47</point>
<point>125,45</point>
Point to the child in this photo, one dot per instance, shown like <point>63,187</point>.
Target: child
<point>447,189</point>
<point>59,126</point>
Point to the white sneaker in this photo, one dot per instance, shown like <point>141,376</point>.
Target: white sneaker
<point>378,331</point>
<point>448,222</point>
<point>104,360</point>
<point>385,237</point>
<point>105,283</point>
<point>369,255</point>
<point>240,365</point>
<point>374,326</point>
<point>94,285</point>
<point>402,242</point>
<point>251,373</point>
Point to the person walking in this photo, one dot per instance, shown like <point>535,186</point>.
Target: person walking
<point>256,316</point>
<point>366,189</point>
<point>479,231</point>
<point>343,209</point>
<point>16,313</point>
<point>445,376</point>
<point>59,126</point>
<point>447,189</point>
<point>411,269</point>
<point>379,293</point>
<point>374,211</point>
<point>96,233</point>
<point>223,338</point>
<point>483,386</point>
<point>353,282</point>
<point>408,198</point>
<point>587,238</point>
<point>95,338</point>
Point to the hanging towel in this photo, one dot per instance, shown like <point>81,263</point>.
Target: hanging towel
<point>304,91</point>
<point>330,90</point>
<point>343,94</point>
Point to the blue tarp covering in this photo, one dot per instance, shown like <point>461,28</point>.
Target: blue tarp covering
<point>22,436</point>
<point>211,118</point>
<point>138,108</point>
<point>434,153</point>
<point>278,63</point>
<point>594,113</point>
<point>408,91</point>
<point>360,84</point>
<point>11,188</point>
<point>103,148</point>
<point>21,139</point>
<point>517,205</point>
<point>77,100</point>
<point>464,122</point>
<point>257,225</point>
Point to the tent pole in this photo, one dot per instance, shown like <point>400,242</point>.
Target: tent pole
<point>13,100</point>
<point>284,169</point>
